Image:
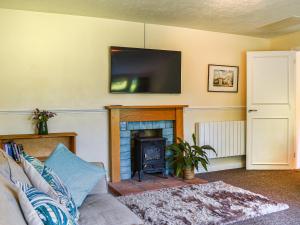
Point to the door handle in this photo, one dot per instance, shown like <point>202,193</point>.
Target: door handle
<point>252,110</point>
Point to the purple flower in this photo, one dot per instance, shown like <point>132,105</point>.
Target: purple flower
<point>42,115</point>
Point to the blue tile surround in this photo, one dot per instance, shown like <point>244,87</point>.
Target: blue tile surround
<point>125,134</point>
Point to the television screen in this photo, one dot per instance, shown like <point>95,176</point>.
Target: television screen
<point>135,70</point>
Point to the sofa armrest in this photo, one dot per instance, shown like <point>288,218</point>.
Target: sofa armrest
<point>101,186</point>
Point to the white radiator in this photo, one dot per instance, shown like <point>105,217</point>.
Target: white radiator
<point>226,137</point>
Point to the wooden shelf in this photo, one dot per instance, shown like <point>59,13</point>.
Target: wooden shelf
<point>41,146</point>
<point>35,136</point>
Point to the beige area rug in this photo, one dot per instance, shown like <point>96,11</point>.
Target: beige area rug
<point>212,203</point>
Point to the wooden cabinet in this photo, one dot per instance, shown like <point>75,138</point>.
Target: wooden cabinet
<point>41,146</point>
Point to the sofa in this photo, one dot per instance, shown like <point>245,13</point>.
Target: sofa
<point>99,207</point>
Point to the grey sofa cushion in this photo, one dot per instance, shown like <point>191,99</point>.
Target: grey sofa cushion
<point>10,211</point>
<point>104,209</point>
<point>101,186</point>
<point>99,208</point>
<point>8,167</point>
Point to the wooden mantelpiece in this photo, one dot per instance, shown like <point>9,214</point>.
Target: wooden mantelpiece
<point>145,106</point>
<point>120,113</point>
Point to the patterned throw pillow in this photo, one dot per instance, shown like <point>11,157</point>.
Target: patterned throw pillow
<point>48,210</point>
<point>61,192</point>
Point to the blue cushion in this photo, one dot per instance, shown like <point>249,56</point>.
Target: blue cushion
<point>62,191</point>
<point>80,176</point>
<point>49,211</point>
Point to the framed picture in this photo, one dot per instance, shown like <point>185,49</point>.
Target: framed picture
<point>223,78</point>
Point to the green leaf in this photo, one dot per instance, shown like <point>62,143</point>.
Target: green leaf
<point>208,147</point>
<point>185,155</point>
<point>194,138</point>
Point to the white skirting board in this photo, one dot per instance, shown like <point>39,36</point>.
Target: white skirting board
<point>227,163</point>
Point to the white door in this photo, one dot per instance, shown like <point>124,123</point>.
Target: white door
<point>270,110</point>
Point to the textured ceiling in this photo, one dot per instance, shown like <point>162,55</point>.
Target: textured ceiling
<point>248,17</point>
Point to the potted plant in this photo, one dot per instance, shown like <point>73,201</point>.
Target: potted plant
<point>185,157</point>
<point>41,117</point>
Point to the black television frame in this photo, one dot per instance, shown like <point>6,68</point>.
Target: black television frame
<point>150,49</point>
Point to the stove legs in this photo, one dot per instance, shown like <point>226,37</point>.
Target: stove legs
<point>140,173</point>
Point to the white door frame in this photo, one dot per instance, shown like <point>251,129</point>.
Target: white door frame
<point>297,116</point>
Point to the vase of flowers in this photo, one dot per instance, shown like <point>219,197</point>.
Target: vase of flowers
<point>41,117</point>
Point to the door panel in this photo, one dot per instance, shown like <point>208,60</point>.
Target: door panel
<point>266,150</point>
<point>270,110</point>
<point>269,74</point>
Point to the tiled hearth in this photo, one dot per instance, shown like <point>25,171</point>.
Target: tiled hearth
<point>150,182</point>
<point>126,129</point>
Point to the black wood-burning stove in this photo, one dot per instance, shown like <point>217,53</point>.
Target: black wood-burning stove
<point>149,155</point>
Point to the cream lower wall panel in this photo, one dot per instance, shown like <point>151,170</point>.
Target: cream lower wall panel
<point>92,130</point>
<point>192,116</point>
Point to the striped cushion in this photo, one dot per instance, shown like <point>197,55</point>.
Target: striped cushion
<point>62,192</point>
<point>48,210</point>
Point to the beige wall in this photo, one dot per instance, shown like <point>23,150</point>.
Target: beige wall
<point>286,42</point>
<point>61,62</point>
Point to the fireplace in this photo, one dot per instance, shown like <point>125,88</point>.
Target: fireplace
<point>149,155</point>
<point>130,132</point>
<point>123,119</point>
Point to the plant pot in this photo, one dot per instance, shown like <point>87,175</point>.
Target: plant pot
<point>188,173</point>
<point>42,128</point>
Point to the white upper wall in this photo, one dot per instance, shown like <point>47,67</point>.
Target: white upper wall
<point>59,61</point>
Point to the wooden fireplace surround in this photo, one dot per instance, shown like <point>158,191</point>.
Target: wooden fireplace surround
<point>119,113</point>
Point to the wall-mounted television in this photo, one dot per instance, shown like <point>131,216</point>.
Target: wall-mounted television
<point>136,70</point>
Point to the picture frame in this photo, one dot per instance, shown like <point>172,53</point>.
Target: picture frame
<point>223,78</point>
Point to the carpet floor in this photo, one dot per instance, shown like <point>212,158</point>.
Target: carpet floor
<point>281,186</point>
